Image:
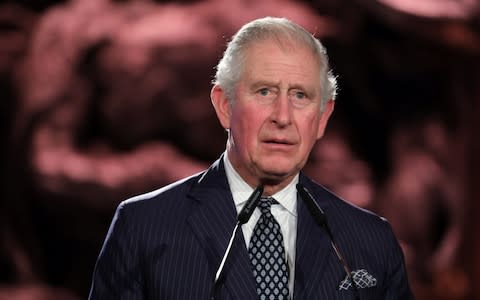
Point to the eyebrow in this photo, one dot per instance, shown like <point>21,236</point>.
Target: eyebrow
<point>261,82</point>
<point>308,91</point>
<point>258,83</point>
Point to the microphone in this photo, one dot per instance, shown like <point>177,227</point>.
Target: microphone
<point>242,218</point>
<point>249,207</point>
<point>321,219</point>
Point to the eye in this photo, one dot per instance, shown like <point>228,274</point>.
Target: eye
<point>264,91</point>
<point>300,95</point>
<point>299,98</point>
<point>266,94</point>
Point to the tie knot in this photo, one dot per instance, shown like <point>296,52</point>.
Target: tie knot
<point>265,204</point>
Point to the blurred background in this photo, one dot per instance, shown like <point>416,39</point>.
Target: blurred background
<point>101,100</point>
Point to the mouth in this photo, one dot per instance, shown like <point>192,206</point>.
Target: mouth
<point>280,142</point>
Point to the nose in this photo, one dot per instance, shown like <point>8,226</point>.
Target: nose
<point>282,111</point>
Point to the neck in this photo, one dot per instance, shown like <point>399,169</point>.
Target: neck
<point>271,187</point>
<point>272,183</point>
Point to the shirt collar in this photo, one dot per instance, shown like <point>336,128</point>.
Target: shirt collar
<point>287,197</point>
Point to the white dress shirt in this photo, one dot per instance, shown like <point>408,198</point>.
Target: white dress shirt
<point>285,213</point>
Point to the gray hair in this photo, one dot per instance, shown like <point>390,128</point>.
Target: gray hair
<point>229,68</point>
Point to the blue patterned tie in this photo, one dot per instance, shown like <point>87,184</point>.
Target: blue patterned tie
<point>267,255</point>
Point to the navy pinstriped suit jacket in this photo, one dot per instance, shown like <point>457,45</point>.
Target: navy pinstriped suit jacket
<point>168,244</point>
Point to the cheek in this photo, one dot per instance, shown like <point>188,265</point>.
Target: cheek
<point>244,129</point>
<point>309,129</point>
<point>250,119</point>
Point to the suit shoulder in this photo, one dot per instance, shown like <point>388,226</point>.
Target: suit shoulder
<point>355,211</point>
<point>358,214</point>
<point>162,196</point>
<point>340,210</point>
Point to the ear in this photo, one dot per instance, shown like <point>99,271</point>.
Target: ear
<point>326,113</point>
<point>222,105</point>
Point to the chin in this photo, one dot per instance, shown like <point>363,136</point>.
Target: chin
<point>277,175</point>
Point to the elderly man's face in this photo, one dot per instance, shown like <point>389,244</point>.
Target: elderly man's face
<point>275,117</point>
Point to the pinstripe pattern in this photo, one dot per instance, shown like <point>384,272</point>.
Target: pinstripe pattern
<point>168,244</point>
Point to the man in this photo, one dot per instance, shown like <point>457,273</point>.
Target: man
<point>273,94</point>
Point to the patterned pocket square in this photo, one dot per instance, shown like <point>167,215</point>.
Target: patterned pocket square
<point>361,278</point>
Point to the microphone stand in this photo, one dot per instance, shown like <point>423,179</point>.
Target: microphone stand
<point>321,220</point>
<point>242,218</point>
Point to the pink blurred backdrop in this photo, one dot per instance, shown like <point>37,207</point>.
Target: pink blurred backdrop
<point>102,100</point>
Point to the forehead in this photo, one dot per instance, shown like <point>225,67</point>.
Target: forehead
<point>281,61</point>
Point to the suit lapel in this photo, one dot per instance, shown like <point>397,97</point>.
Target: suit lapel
<point>313,249</point>
<point>212,219</point>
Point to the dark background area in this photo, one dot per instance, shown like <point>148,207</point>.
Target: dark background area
<point>101,100</point>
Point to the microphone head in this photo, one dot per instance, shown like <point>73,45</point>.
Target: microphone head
<point>315,210</point>
<point>250,206</point>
